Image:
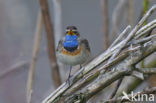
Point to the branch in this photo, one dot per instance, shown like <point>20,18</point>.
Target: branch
<point>116,88</point>
<point>31,74</point>
<point>147,70</point>
<point>142,41</point>
<point>145,29</point>
<point>51,43</point>
<point>120,37</point>
<point>114,55</point>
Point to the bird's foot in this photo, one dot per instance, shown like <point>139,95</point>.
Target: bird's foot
<point>82,70</point>
<point>68,81</point>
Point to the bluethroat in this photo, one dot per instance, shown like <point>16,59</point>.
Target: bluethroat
<point>72,49</point>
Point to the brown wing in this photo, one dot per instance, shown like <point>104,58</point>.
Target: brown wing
<point>85,42</point>
<point>59,47</point>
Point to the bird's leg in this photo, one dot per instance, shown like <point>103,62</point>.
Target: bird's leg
<point>70,72</point>
<point>68,80</point>
<point>80,66</point>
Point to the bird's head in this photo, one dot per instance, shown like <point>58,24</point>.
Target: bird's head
<point>72,30</point>
<point>71,38</point>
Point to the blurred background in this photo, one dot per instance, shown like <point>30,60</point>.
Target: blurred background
<point>17,32</point>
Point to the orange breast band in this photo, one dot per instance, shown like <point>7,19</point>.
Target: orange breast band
<point>76,52</point>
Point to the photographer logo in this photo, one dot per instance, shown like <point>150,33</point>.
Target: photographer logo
<point>137,97</point>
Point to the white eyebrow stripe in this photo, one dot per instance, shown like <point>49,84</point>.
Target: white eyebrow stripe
<point>72,30</point>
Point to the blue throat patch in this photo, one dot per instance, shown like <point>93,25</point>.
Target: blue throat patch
<point>70,43</point>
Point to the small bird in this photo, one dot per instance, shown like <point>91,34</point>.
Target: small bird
<point>72,49</point>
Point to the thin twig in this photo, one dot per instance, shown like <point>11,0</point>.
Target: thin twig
<point>140,41</point>
<point>34,58</point>
<point>147,70</point>
<point>50,42</point>
<point>120,48</point>
<point>145,29</point>
<point>120,37</point>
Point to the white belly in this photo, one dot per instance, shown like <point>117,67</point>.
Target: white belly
<point>73,60</point>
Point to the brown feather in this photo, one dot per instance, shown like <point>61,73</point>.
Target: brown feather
<point>85,42</point>
<point>60,45</point>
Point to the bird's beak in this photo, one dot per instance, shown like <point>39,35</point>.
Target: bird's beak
<point>70,32</point>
